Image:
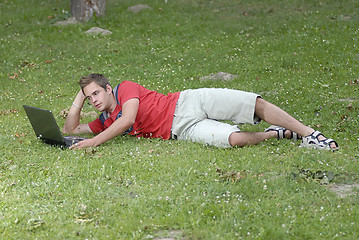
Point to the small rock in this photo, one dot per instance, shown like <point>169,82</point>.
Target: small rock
<point>66,22</point>
<point>219,76</point>
<point>345,190</point>
<point>97,30</point>
<point>138,8</point>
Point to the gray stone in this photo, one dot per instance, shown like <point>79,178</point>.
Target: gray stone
<point>97,30</point>
<point>66,22</point>
<point>219,76</point>
<point>138,8</point>
<point>345,190</point>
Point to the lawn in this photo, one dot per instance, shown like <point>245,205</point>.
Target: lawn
<point>301,55</point>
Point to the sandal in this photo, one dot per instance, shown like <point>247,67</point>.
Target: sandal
<point>281,130</point>
<point>312,141</point>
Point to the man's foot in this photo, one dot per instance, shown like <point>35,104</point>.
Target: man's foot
<point>318,141</point>
<point>283,133</point>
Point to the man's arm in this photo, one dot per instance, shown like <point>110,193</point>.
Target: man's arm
<point>72,123</point>
<point>123,123</point>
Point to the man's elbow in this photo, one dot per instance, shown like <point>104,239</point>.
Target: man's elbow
<point>65,130</point>
<point>127,121</point>
<point>131,122</point>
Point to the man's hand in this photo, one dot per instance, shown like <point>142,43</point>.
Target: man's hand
<point>84,143</point>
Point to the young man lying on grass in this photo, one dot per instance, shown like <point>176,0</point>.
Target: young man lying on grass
<point>193,115</point>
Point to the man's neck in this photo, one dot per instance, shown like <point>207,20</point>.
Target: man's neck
<point>113,105</point>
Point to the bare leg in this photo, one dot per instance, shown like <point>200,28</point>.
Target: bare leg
<point>271,114</point>
<point>241,139</point>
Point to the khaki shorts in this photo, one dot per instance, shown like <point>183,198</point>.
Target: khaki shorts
<point>199,112</point>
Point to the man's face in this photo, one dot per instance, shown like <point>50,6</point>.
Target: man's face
<point>100,98</point>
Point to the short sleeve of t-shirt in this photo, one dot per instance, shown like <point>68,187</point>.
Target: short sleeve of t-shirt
<point>126,91</point>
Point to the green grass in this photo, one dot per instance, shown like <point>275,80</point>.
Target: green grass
<point>301,55</point>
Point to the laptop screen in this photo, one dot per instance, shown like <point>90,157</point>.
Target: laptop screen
<point>44,125</point>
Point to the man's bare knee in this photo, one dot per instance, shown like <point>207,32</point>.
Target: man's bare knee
<point>260,107</point>
<point>237,139</point>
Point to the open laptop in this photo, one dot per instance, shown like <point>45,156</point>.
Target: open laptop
<point>46,128</point>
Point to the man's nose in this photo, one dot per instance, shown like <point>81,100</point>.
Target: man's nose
<point>94,99</point>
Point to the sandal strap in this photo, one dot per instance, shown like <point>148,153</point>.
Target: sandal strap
<point>312,140</point>
<point>279,130</point>
<point>316,134</point>
<point>294,136</point>
<point>328,141</point>
<point>281,133</point>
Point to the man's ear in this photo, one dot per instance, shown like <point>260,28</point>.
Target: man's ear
<point>108,89</point>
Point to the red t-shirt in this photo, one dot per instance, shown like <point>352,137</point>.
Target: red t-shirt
<point>155,113</point>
